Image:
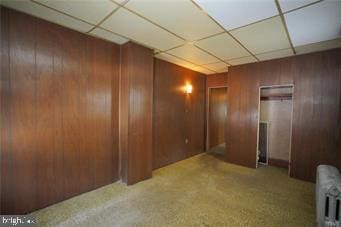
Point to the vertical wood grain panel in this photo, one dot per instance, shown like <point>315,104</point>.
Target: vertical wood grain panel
<point>47,123</point>
<point>71,111</point>
<point>316,121</point>
<point>5,119</point>
<point>124,115</point>
<point>23,110</point>
<point>136,104</point>
<point>177,116</point>
<point>213,80</point>
<point>141,112</point>
<point>168,115</point>
<point>57,106</point>
<point>60,133</point>
<point>217,116</point>
<point>101,94</point>
<point>196,114</point>
<point>85,179</point>
<point>216,80</point>
<point>115,64</point>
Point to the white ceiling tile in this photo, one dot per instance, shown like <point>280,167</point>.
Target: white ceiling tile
<point>181,17</point>
<point>223,46</point>
<point>275,54</point>
<point>287,5</point>
<point>174,60</point>
<point>177,61</point>
<point>101,33</point>
<point>326,45</point>
<point>47,14</point>
<point>92,11</point>
<point>233,14</point>
<point>136,28</point>
<point>193,54</point>
<point>218,67</point>
<point>264,36</point>
<point>315,23</point>
<point>121,2</point>
<point>202,70</point>
<point>241,61</point>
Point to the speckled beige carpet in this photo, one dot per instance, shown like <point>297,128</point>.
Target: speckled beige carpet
<point>200,191</point>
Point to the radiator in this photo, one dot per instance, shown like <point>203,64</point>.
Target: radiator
<point>328,196</point>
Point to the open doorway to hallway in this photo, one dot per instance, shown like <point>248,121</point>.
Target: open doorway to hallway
<point>275,123</point>
<point>216,120</point>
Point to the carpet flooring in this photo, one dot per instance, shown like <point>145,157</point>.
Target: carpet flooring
<point>199,191</point>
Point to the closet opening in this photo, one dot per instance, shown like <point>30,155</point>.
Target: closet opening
<point>275,126</point>
<point>216,121</point>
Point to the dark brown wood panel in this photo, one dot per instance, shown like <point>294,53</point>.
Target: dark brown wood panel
<point>136,113</point>
<point>177,116</point>
<point>217,116</point>
<point>316,109</point>
<point>217,80</point>
<point>59,113</point>
<point>49,134</point>
<point>213,80</point>
<point>124,115</point>
<point>5,119</point>
<point>23,110</point>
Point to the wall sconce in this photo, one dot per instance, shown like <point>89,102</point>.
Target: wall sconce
<point>188,89</point>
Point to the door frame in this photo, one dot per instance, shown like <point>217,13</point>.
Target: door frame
<point>292,111</point>
<point>267,142</point>
<point>208,114</point>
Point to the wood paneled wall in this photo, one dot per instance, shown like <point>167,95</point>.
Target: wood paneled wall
<point>136,109</point>
<point>217,80</point>
<point>177,116</point>
<point>59,107</point>
<point>213,80</point>
<point>217,116</point>
<point>316,127</point>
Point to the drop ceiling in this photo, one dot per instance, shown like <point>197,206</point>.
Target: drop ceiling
<point>203,35</point>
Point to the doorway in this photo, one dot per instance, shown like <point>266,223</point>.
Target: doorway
<point>216,120</point>
<point>275,126</point>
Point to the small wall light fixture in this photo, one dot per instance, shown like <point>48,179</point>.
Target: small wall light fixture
<point>188,88</point>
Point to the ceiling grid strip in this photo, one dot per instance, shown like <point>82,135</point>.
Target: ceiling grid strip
<point>106,17</point>
<point>304,6</point>
<point>285,26</point>
<point>225,30</point>
<point>268,18</point>
<point>122,5</point>
<point>210,36</point>
<point>165,51</point>
<point>190,62</point>
<point>76,18</point>
<point>135,41</point>
<point>210,54</point>
<point>150,21</point>
<point>61,12</point>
